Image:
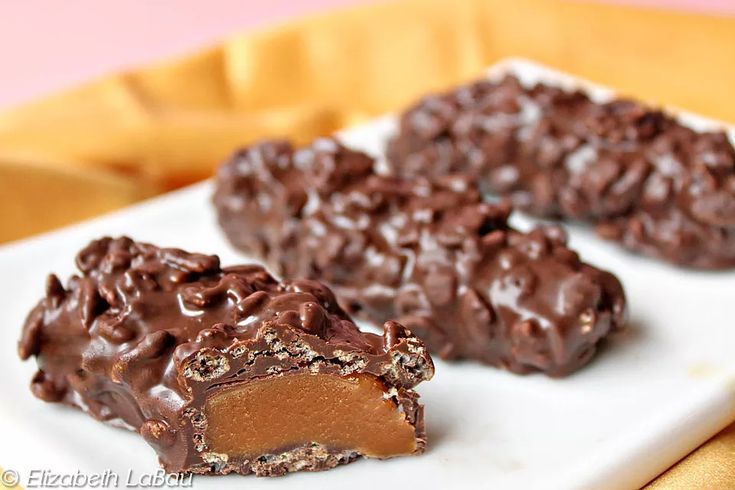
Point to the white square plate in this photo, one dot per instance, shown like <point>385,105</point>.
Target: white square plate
<point>650,397</point>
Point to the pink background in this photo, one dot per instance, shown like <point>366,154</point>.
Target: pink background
<point>46,45</point>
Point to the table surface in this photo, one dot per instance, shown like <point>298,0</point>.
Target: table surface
<point>51,47</point>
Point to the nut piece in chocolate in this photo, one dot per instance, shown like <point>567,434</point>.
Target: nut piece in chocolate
<point>431,254</point>
<point>223,369</point>
<point>638,174</point>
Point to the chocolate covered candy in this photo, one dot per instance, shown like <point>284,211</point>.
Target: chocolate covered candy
<point>431,254</point>
<point>643,178</point>
<point>223,369</point>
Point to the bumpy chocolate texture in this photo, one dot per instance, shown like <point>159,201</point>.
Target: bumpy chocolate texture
<point>146,338</point>
<point>640,176</point>
<point>430,254</point>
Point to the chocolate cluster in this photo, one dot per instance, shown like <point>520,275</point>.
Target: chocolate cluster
<point>147,337</point>
<point>429,253</point>
<point>643,178</point>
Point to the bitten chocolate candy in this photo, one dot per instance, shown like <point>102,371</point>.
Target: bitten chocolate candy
<point>643,178</point>
<point>223,369</point>
<point>430,254</point>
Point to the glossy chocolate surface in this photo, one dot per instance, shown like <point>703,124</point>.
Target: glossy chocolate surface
<point>429,253</point>
<point>143,336</point>
<point>644,179</point>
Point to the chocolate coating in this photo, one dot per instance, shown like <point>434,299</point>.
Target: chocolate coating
<point>144,335</point>
<point>430,254</point>
<point>643,178</point>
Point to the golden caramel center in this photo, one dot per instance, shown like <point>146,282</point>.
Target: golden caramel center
<point>272,415</point>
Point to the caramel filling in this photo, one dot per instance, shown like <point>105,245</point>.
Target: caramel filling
<point>276,414</point>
